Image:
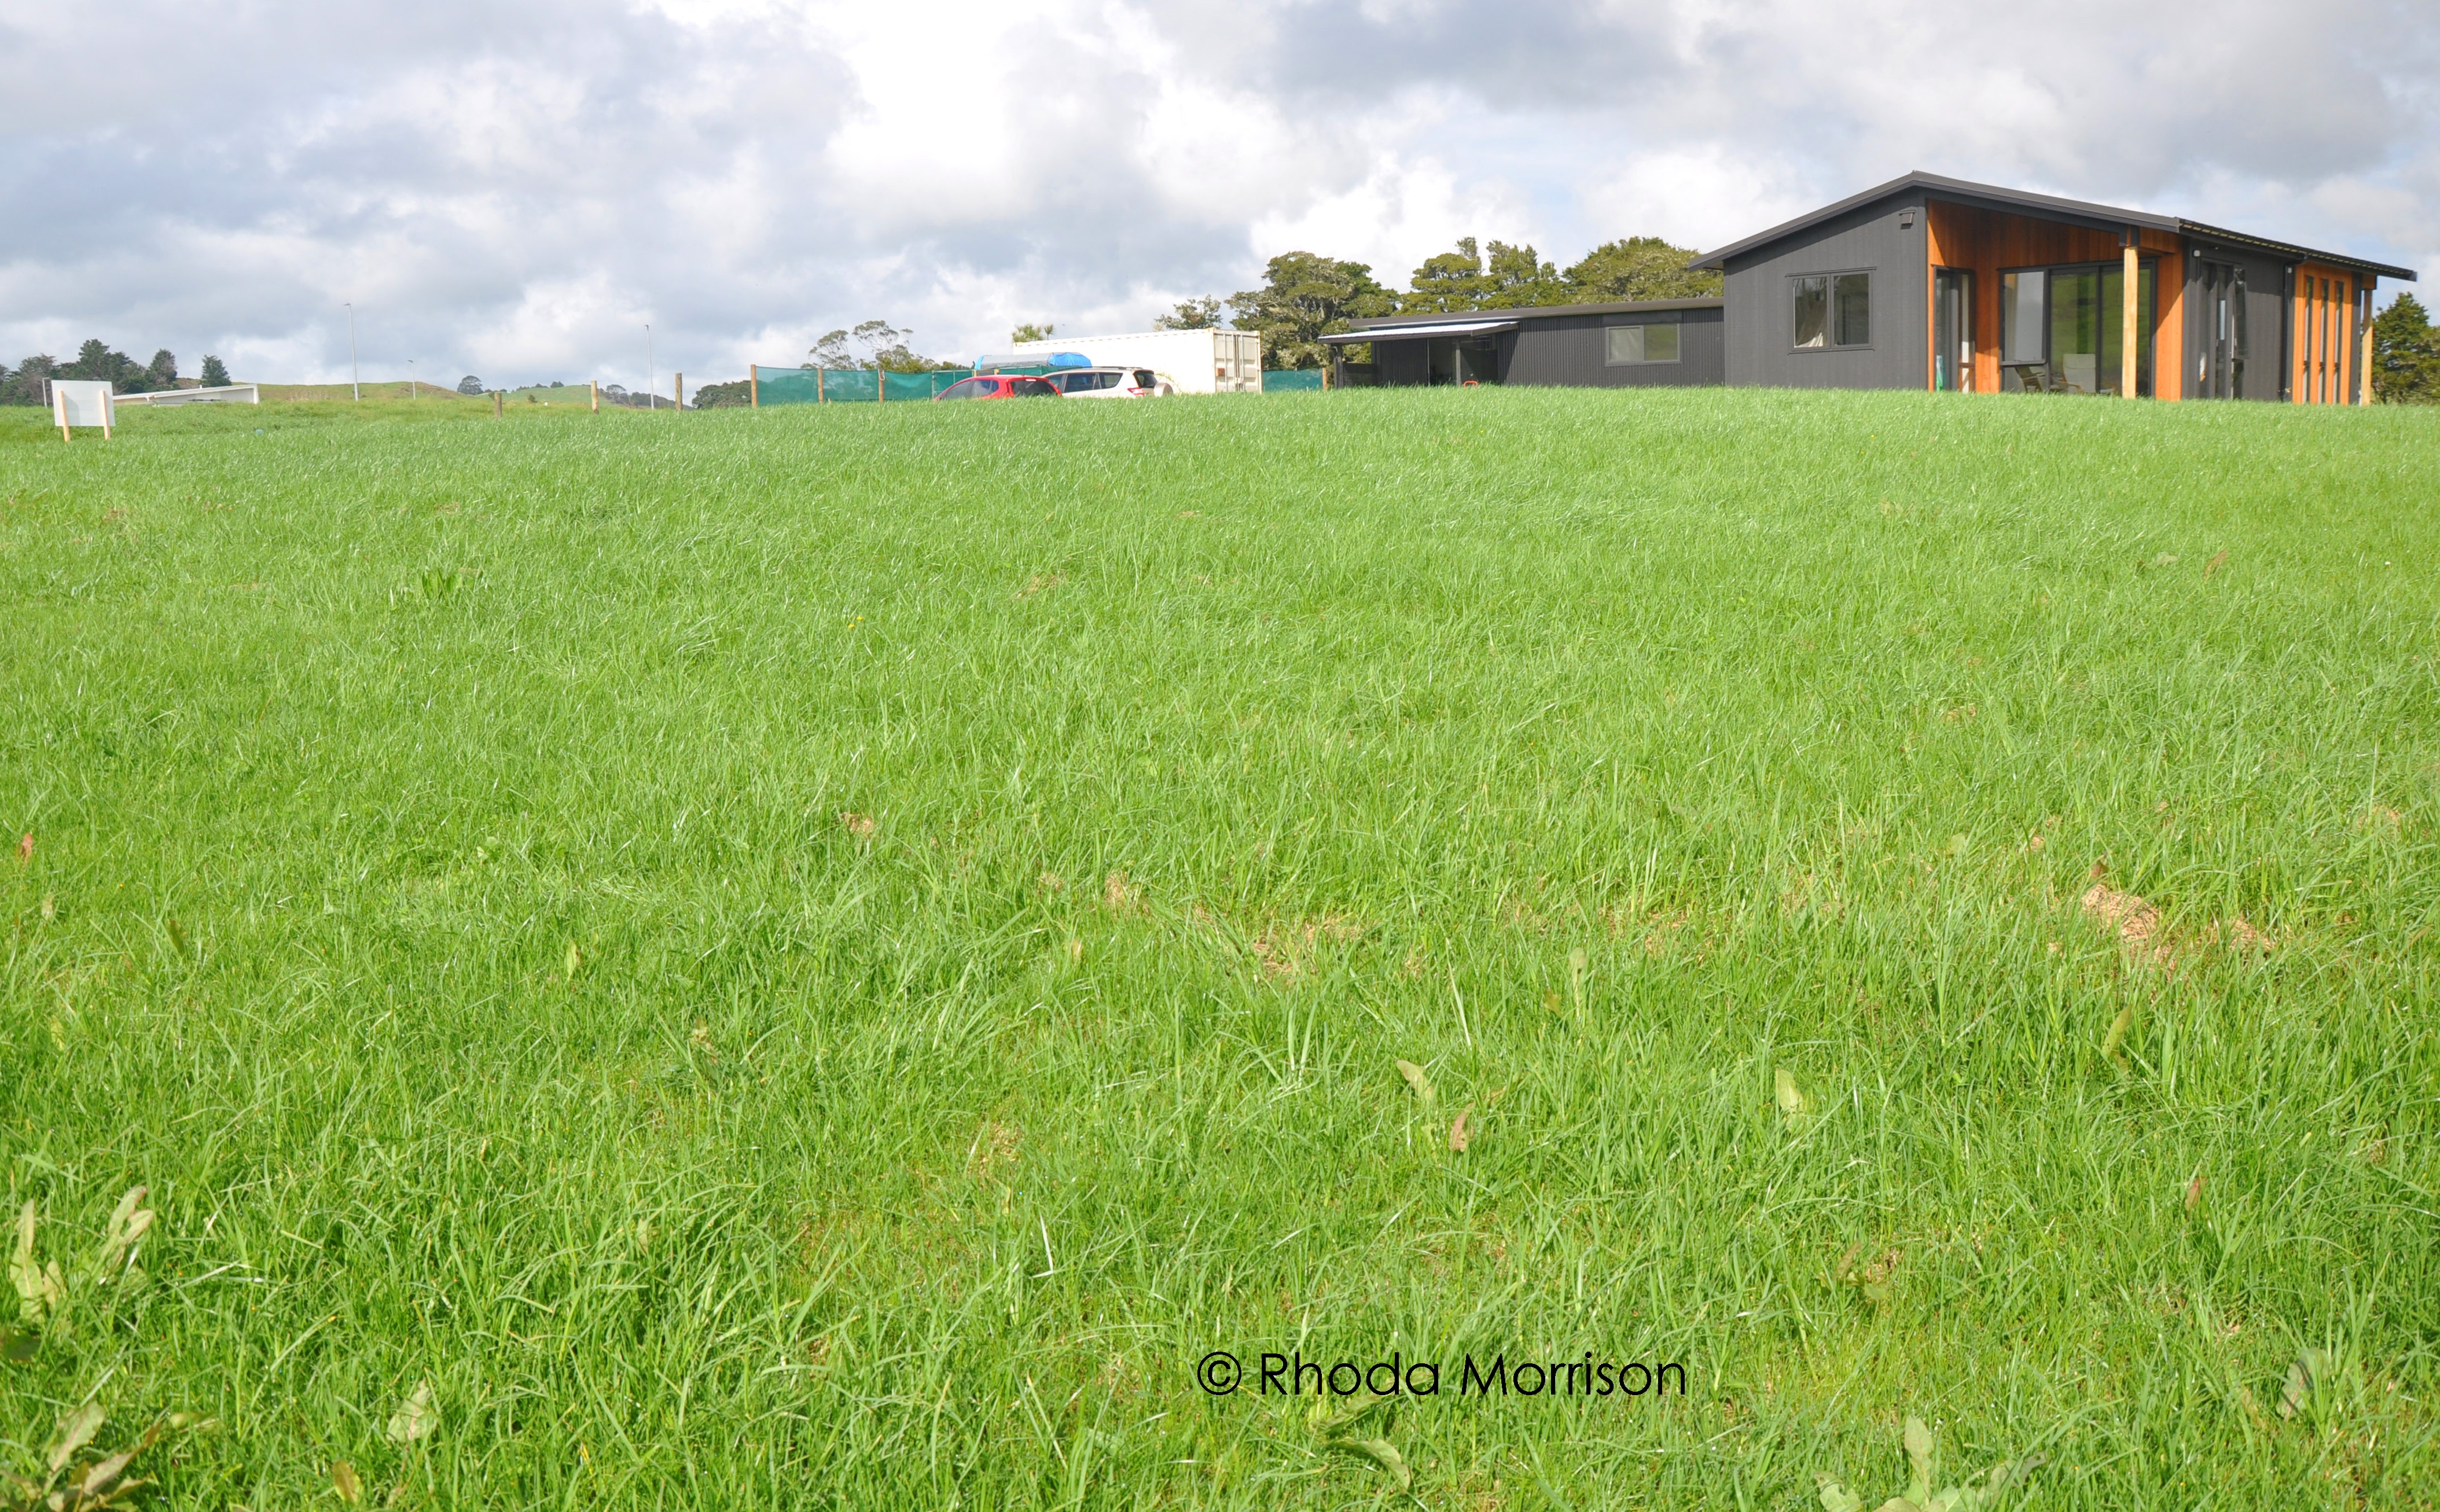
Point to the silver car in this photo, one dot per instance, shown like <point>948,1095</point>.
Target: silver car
<point>1111,382</point>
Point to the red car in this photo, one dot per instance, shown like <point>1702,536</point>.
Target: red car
<point>1000,385</point>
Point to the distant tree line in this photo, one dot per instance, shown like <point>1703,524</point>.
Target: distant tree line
<point>1306,296</point>
<point>2404,354</point>
<point>94,360</point>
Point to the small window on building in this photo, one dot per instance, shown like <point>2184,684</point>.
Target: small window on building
<point>1832,309</point>
<point>1632,346</point>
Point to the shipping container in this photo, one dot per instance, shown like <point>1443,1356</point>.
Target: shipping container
<point>1194,362</point>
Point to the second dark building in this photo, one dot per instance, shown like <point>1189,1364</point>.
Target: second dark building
<point>1652,343</point>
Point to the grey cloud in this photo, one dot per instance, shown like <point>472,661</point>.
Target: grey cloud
<point>515,190</point>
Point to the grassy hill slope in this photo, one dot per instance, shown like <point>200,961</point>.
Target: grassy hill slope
<point>835,956</point>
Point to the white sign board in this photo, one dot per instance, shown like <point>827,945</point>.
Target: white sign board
<point>80,401</point>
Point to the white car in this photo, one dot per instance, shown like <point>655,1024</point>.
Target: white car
<point>1110,383</point>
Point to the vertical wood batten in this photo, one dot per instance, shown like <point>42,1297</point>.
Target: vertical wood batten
<point>2129,306</point>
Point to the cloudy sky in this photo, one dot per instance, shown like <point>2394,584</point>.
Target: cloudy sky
<point>516,191</point>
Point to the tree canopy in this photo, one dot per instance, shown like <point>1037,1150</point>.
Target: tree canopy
<point>884,347</point>
<point>1639,268</point>
<point>94,361</point>
<point>2404,354</point>
<point>1305,296</point>
<point>1191,315</point>
<point>1512,278</point>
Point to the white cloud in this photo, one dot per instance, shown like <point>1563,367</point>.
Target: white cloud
<point>515,192</point>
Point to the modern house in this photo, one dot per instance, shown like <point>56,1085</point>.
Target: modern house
<point>1929,282</point>
<point>1612,346</point>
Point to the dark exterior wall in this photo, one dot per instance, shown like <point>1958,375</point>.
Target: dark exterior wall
<point>2265,314</point>
<point>1570,351</point>
<point>1761,324</point>
<point>1401,363</point>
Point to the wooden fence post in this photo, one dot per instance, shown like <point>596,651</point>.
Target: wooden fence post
<point>499,403</point>
<point>754,386</point>
<point>677,388</point>
<point>596,385</point>
<point>819,397</point>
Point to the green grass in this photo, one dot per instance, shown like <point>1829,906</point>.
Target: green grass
<point>1005,849</point>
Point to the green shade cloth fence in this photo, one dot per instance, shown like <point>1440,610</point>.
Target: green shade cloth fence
<point>848,386</point>
<point>1292,380</point>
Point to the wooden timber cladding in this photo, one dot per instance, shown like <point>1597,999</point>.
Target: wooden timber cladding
<point>2322,341</point>
<point>1987,241</point>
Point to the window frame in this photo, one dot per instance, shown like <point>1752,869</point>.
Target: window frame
<point>1830,277</point>
<point>1644,325</point>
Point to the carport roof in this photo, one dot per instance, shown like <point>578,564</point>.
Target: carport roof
<point>1426,328</point>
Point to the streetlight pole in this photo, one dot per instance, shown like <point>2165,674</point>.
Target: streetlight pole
<point>652,372</point>
<point>355,379</point>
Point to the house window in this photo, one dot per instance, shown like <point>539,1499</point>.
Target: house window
<point>2060,329</point>
<point>1633,345</point>
<point>1832,309</point>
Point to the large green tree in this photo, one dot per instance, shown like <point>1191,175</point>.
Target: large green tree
<point>1508,278</point>
<point>1639,268</point>
<point>96,360</point>
<point>2404,354</point>
<point>1306,296</point>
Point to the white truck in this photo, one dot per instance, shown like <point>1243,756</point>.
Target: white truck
<point>1194,362</point>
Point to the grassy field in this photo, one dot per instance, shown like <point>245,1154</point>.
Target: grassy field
<point>832,957</point>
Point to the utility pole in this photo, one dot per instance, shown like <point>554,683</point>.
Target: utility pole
<point>652,372</point>
<point>355,379</point>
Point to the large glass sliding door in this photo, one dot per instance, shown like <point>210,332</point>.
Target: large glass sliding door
<point>1463,360</point>
<point>1952,330</point>
<point>2060,329</point>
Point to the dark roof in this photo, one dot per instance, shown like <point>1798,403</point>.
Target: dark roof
<point>1537,312</point>
<point>2077,212</point>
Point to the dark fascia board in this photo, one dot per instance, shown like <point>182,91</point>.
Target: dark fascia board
<point>2079,212</point>
<point>1536,313</point>
<point>2239,239</point>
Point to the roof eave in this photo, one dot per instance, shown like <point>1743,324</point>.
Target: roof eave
<point>2220,233</point>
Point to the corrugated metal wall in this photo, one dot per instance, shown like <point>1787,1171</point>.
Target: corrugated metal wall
<point>1572,351</point>
<point>1761,319</point>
